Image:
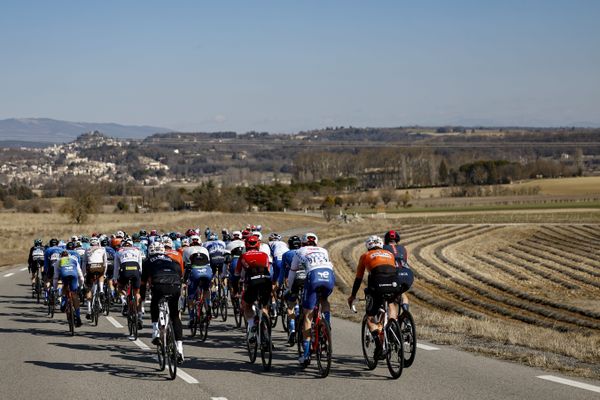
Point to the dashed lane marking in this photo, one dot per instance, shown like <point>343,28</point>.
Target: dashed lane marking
<point>569,382</point>
<point>218,398</point>
<point>425,347</point>
<point>141,344</point>
<point>115,323</point>
<point>186,377</point>
<point>23,269</point>
<point>9,274</point>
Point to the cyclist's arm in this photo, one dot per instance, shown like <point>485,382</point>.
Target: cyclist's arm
<point>360,272</point>
<point>79,274</point>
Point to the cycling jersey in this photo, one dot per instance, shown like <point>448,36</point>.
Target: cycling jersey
<point>189,251</point>
<point>51,256</point>
<point>68,266</point>
<point>36,258</point>
<point>253,265</point>
<point>286,259</point>
<point>110,261</point>
<point>143,248</point>
<point>278,249</point>
<point>400,253</point>
<point>175,256</point>
<point>319,274</point>
<point>95,261</point>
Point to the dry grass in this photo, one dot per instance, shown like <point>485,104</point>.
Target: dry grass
<point>586,185</point>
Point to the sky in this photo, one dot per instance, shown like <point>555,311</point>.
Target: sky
<point>286,66</point>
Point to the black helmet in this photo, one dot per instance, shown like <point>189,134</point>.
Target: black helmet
<point>71,246</point>
<point>53,242</point>
<point>104,242</point>
<point>294,242</point>
<point>37,242</point>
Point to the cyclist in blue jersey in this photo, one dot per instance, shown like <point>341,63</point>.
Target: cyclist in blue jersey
<point>68,270</point>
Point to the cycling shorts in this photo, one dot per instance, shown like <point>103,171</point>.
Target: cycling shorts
<point>71,281</point>
<point>276,268</point>
<point>133,275</point>
<point>258,289</point>
<point>295,291</point>
<point>318,280</point>
<point>202,283</point>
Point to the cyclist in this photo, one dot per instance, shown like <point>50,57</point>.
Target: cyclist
<point>172,253</point>
<point>195,247</point>
<point>137,242</point>
<point>175,237</point>
<point>225,236</point>
<point>185,243</point>
<point>110,258</point>
<point>253,267</point>
<point>264,247</point>
<point>207,233</point>
<point>95,263</point>
<point>278,249</point>
<point>165,276</point>
<point>198,275</point>
<point>383,280</point>
<point>235,247</point>
<point>291,294</point>
<point>128,266</point>
<point>219,255</point>
<point>391,239</point>
<point>51,256</point>
<point>67,269</point>
<point>319,277</point>
<point>35,261</point>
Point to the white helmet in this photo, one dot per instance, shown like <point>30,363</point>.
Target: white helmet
<point>185,242</point>
<point>74,238</point>
<point>257,233</point>
<point>195,238</point>
<point>156,248</point>
<point>373,242</point>
<point>94,241</point>
<point>236,235</point>
<point>168,242</point>
<point>310,237</point>
<point>120,234</point>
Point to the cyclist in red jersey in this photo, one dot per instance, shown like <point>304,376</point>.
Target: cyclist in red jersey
<point>253,267</point>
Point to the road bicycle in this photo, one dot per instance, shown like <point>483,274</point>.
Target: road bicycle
<point>132,312</point>
<point>166,348</point>
<point>96,302</point>
<point>108,299</point>
<point>261,338</point>
<point>219,300</point>
<point>409,337</point>
<point>321,342</point>
<point>52,298</point>
<point>390,337</point>
<point>69,304</point>
<point>200,317</point>
<point>237,312</point>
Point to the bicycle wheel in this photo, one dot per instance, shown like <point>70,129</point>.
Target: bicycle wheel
<point>51,303</point>
<point>251,347</point>
<point>273,315</point>
<point>223,308</point>
<point>133,319</point>
<point>171,351</point>
<point>409,337</point>
<point>285,324</point>
<point>160,352</point>
<point>324,348</point>
<point>266,343</point>
<point>394,349</point>
<point>107,302</point>
<point>95,310</point>
<point>237,313</point>
<point>194,319</point>
<point>299,337</point>
<point>71,316</point>
<point>368,345</point>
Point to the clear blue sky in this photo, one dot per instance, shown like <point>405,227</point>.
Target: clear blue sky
<point>284,66</point>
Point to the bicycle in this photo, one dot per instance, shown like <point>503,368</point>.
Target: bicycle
<point>321,342</point>
<point>409,337</point>
<point>69,306</point>
<point>132,312</point>
<point>201,318</point>
<point>37,286</point>
<point>166,348</point>
<point>96,303</point>
<point>263,337</point>
<point>52,297</point>
<point>219,302</point>
<point>392,344</point>
<point>108,299</point>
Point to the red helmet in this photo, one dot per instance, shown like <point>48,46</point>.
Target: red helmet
<point>245,233</point>
<point>252,242</point>
<point>190,232</point>
<point>391,236</point>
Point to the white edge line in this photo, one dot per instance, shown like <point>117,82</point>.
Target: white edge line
<point>9,274</point>
<point>569,382</point>
<point>218,398</point>
<point>425,347</point>
<point>115,323</point>
<point>186,377</point>
<point>141,344</point>
<point>23,269</point>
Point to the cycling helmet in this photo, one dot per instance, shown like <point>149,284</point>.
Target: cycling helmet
<point>258,228</point>
<point>95,241</point>
<point>168,243</point>
<point>135,237</point>
<point>374,242</point>
<point>252,242</point>
<point>77,244</point>
<point>53,242</point>
<point>70,246</point>
<point>195,239</point>
<point>391,236</point>
<point>185,242</point>
<point>294,242</point>
<point>143,232</point>
<point>156,248</point>
<point>74,238</point>
<point>127,243</point>
<point>153,232</point>
<point>104,242</point>
<point>213,236</point>
<point>120,234</point>
<point>85,239</point>
<point>274,237</point>
<point>116,243</point>
<point>245,234</point>
<point>310,239</point>
<point>173,235</point>
<point>224,231</point>
<point>190,232</point>
<point>37,242</point>
<point>257,233</point>
<point>252,228</point>
<point>236,235</point>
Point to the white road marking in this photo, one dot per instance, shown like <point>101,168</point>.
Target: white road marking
<point>569,382</point>
<point>425,347</point>
<point>115,323</point>
<point>23,269</point>
<point>218,398</point>
<point>141,344</point>
<point>9,274</point>
<point>188,378</point>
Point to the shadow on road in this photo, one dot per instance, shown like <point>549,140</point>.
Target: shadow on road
<point>122,371</point>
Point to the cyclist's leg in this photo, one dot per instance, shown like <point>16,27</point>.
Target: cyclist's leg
<point>249,297</point>
<point>192,289</point>
<point>156,295</point>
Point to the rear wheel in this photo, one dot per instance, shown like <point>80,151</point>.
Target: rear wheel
<point>237,313</point>
<point>171,351</point>
<point>160,352</point>
<point>132,320</point>
<point>223,308</point>
<point>409,337</point>
<point>266,346</point>
<point>368,345</point>
<point>71,317</point>
<point>324,347</point>
<point>395,354</point>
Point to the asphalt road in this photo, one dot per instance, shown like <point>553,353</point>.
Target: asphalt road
<point>39,360</point>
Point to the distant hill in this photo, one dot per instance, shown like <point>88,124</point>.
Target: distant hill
<point>47,130</point>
